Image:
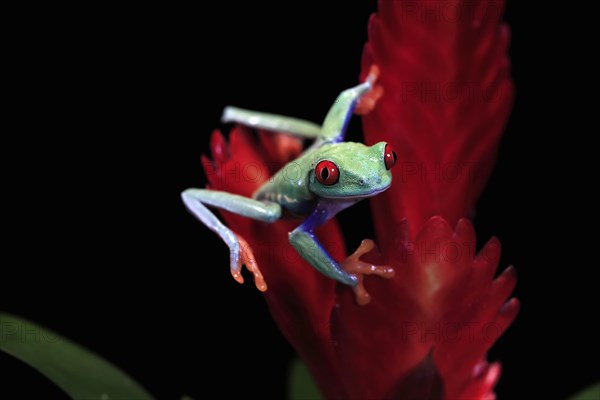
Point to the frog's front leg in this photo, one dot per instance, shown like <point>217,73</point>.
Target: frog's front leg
<point>353,265</point>
<point>196,201</point>
<point>349,271</point>
<point>308,246</point>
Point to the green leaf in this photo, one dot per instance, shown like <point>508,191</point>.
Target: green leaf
<point>302,386</point>
<point>590,393</point>
<point>77,371</point>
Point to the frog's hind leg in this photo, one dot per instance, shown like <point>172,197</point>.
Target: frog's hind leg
<point>361,98</point>
<point>272,122</point>
<point>197,200</point>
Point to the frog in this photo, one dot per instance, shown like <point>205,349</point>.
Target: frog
<point>328,177</point>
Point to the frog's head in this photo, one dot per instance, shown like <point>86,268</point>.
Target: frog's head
<point>351,170</point>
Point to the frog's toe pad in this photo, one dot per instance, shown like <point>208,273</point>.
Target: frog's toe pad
<point>368,100</point>
<point>246,258</point>
<point>353,265</point>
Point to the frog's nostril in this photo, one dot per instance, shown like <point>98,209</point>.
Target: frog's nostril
<point>361,182</point>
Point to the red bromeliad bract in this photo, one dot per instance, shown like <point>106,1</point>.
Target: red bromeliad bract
<point>446,97</point>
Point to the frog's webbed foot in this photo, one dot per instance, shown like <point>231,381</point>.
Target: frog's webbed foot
<point>367,101</point>
<point>353,265</point>
<point>243,255</point>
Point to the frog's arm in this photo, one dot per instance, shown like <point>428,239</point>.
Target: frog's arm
<point>336,121</point>
<point>196,201</point>
<point>308,246</point>
<point>334,126</point>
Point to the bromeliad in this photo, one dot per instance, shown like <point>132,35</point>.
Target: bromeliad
<point>427,330</point>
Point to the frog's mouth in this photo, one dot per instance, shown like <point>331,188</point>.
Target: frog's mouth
<point>360,195</point>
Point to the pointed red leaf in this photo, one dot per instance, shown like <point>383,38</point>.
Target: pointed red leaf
<point>442,298</point>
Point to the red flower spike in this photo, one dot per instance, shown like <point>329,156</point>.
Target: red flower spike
<point>442,301</point>
<point>427,330</point>
<point>447,96</point>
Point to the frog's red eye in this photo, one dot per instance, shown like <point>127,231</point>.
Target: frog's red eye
<point>327,172</point>
<point>389,156</point>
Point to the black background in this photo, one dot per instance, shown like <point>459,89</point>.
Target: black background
<point>114,108</point>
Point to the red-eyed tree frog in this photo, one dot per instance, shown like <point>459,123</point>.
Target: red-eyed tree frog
<point>334,175</point>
